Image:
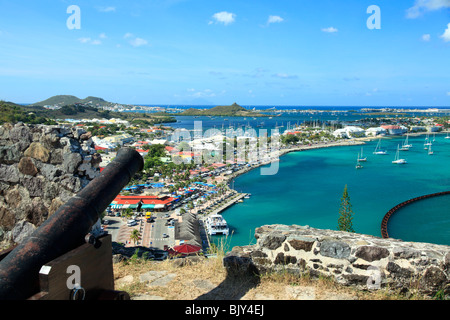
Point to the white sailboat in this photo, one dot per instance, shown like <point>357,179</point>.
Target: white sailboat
<point>447,137</point>
<point>406,145</point>
<point>360,157</point>
<point>397,159</point>
<point>378,150</point>
<point>427,142</point>
<point>430,152</point>
<point>358,164</point>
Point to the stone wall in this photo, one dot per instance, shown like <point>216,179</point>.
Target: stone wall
<point>41,167</point>
<point>362,261</point>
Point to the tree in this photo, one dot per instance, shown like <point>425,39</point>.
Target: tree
<point>135,236</point>
<point>345,213</point>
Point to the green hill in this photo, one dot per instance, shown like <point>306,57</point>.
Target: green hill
<point>13,113</point>
<point>65,100</point>
<point>234,110</point>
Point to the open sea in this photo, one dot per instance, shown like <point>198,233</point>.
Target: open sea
<point>309,185</point>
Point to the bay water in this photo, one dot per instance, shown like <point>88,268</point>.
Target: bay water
<point>309,185</point>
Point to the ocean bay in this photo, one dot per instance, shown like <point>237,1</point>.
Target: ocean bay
<point>309,185</point>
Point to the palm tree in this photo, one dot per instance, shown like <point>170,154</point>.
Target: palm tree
<point>135,236</point>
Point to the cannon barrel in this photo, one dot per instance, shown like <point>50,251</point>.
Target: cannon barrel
<point>66,229</point>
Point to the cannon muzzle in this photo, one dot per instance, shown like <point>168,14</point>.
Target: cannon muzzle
<point>66,229</point>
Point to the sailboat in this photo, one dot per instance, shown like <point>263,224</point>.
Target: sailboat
<point>430,152</point>
<point>406,145</point>
<point>447,137</point>
<point>377,149</point>
<point>397,159</point>
<point>360,158</point>
<point>427,143</point>
<point>358,165</point>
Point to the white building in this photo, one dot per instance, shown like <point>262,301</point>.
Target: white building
<point>350,132</point>
<point>373,132</point>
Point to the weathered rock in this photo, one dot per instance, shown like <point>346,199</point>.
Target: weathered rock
<point>301,244</point>
<point>9,174</point>
<point>35,186</point>
<point>7,218</point>
<point>71,162</point>
<point>10,154</point>
<point>371,253</point>
<point>273,241</point>
<point>27,166</point>
<point>335,249</point>
<point>21,230</point>
<point>38,152</point>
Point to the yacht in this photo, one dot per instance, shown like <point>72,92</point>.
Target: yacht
<point>427,142</point>
<point>406,145</point>
<point>216,224</point>
<point>360,158</point>
<point>430,152</point>
<point>378,150</point>
<point>358,165</point>
<point>397,159</point>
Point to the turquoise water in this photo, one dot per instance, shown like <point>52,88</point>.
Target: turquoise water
<point>309,184</point>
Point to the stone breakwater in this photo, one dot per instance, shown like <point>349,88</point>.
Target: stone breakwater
<point>351,259</point>
<point>41,167</point>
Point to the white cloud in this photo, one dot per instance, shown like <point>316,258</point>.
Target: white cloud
<point>84,40</point>
<point>274,19</point>
<point>90,41</point>
<point>446,35</point>
<point>330,30</point>
<point>422,6</point>
<point>137,42</point>
<point>284,76</point>
<point>106,9</point>
<point>426,37</point>
<point>207,93</point>
<point>102,36</point>
<point>224,17</point>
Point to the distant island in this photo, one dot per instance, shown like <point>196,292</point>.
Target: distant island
<point>234,110</point>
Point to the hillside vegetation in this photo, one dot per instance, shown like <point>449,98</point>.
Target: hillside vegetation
<point>13,113</point>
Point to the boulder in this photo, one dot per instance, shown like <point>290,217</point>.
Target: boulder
<point>27,166</point>
<point>38,152</point>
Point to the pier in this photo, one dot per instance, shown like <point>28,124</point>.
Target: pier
<point>228,203</point>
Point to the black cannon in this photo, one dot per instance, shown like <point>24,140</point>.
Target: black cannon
<point>64,239</point>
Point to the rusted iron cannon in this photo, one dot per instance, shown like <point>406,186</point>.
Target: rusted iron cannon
<point>63,237</point>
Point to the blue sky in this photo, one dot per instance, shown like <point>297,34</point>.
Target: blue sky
<point>253,52</point>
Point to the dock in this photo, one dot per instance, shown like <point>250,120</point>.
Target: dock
<point>203,232</point>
